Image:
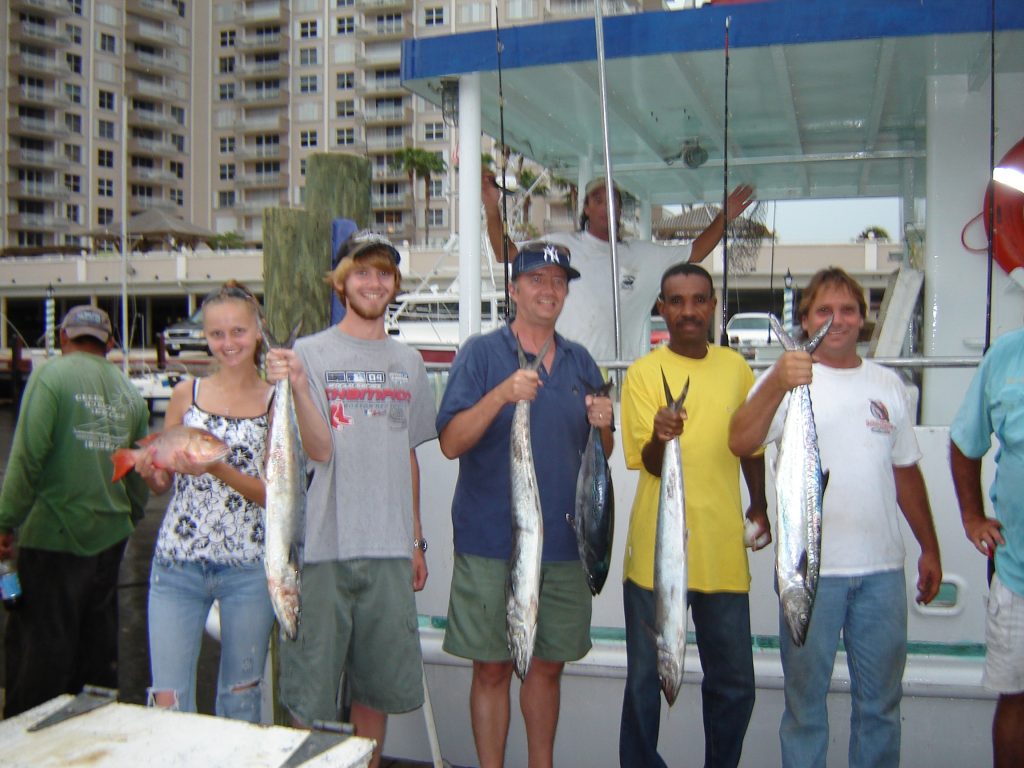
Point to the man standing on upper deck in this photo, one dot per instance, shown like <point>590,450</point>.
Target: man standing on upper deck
<point>719,577</point>
<point>994,404</point>
<point>588,317</point>
<point>868,447</point>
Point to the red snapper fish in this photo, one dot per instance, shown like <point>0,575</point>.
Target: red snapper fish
<point>198,445</point>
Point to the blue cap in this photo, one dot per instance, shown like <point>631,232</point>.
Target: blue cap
<point>539,254</point>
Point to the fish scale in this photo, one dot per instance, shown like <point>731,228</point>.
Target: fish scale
<point>594,519</point>
<point>800,486</point>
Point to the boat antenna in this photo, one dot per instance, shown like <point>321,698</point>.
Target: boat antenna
<point>991,183</point>
<point>725,195</point>
<point>504,163</point>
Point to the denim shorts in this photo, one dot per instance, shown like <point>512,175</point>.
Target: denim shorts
<point>476,611</point>
<point>1004,640</point>
<point>358,618</point>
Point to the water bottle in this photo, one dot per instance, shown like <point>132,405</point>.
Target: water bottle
<point>10,586</point>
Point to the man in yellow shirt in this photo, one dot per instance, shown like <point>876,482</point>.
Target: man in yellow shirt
<point>719,579</point>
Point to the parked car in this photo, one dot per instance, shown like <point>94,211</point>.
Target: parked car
<point>186,336</point>
<point>659,332</point>
<point>747,330</point>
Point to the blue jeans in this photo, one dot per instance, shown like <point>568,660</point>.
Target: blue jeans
<point>722,624</point>
<point>180,596</point>
<point>871,612</point>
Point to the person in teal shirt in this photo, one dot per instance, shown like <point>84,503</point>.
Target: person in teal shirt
<point>994,404</point>
<point>65,517</point>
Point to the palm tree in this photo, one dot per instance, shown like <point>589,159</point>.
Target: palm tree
<point>873,233</point>
<point>571,194</point>
<point>526,181</point>
<point>419,162</point>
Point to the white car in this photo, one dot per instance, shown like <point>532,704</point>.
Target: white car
<point>747,330</point>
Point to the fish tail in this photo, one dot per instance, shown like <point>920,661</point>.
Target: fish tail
<point>124,462</point>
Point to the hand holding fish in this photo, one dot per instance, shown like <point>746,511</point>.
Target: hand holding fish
<point>792,369</point>
<point>757,530</point>
<point>157,478</point>
<point>668,424</point>
<point>521,385</point>
<point>599,410</point>
<point>283,363</point>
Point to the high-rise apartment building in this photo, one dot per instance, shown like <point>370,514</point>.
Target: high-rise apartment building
<point>209,109</point>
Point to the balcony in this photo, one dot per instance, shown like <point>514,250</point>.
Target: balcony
<point>380,31</point>
<point>384,5</point>
<point>153,119</point>
<point>258,205</point>
<point>36,126</point>
<point>574,9</point>
<point>378,60</point>
<point>271,42</point>
<point>263,97</point>
<point>46,97</point>
<point>38,190</point>
<point>388,116</point>
<point>152,176</point>
<point>387,173</point>
<point>52,8</point>
<point>261,152</point>
<point>262,124</point>
<point>374,88</point>
<point>259,13</point>
<point>387,143</point>
<point>152,147</point>
<point>260,69</point>
<point>30,62</point>
<point>145,203</point>
<point>161,10</point>
<point>148,63</point>
<point>37,158</point>
<point>35,221</point>
<point>164,34</point>
<point>253,180</point>
<point>38,34</point>
<point>168,90</point>
<point>399,201</point>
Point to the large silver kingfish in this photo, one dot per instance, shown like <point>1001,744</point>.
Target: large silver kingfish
<point>285,476</point>
<point>523,586</point>
<point>799,486</point>
<point>594,521</point>
<point>670,567</point>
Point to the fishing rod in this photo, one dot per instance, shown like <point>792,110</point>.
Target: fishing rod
<point>504,165</point>
<point>991,182</point>
<point>725,196</point>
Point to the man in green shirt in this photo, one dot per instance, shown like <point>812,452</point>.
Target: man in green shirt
<point>68,520</point>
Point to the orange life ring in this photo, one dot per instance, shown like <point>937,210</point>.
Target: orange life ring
<point>1008,208</point>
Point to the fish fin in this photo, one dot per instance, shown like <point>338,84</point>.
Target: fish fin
<point>147,439</point>
<point>124,462</point>
<point>668,392</point>
<point>682,396</point>
<point>824,481</point>
<point>536,363</point>
<point>571,520</point>
<point>785,339</point>
<point>273,342</point>
<point>816,339</point>
<point>521,352</point>
<point>801,566</point>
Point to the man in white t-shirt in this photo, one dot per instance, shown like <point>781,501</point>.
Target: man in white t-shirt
<point>587,317</point>
<point>867,445</point>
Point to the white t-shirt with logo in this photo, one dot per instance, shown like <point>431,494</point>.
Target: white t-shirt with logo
<point>587,317</point>
<point>864,430</point>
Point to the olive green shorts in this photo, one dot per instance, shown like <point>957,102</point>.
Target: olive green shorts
<point>358,617</point>
<point>476,611</point>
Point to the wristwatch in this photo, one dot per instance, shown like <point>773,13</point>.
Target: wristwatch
<point>420,544</point>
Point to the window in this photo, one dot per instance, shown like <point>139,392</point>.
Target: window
<point>105,158</point>
<point>475,13</point>
<point>433,131</point>
<point>345,137</point>
<point>73,122</point>
<point>307,138</point>
<point>142,190</point>
<point>74,33</point>
<point>344,3</point>
<point>227,64</point>
<point>108,43</point>
<point>266,166</point>
<point>106,99</point>
<point>433,17</point>
<point>227,38</point>
<point>104,215</point>
<point>73,213</point>
<point>345,108</point>
<point>436,187</point>
<point>177,197</point>
<point>74,92</point>
<point>302,167</point>
<point>226,92</point>
<point>346,81</point>
<point>226,199</point>
<point>309,83</point>
<point>72,182</point>
<point>346,25</point>
<point>105,187</point>
<point>308,57</point>
<point>75,6</point>
<point>178,113</point>
<point>227,144</point>
<point>73,152</point>
<point>106,129</point>
<point>178,141</point>
<point>309,29</point>
<point>178,169</point>
<point>227,171</point>
<point>435,217</point>
<point>521,9</point>
<point>74,62</point>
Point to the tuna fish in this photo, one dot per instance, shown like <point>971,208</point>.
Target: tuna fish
<point>800,485</point>
<point>285,475</point>
<point>670,577</point>
<point>523,586</point>
<point>197,445</point>
<point>594,521</point>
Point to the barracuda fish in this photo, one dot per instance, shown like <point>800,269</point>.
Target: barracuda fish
<point>286,506</point>
<point>670,577</point>
<point>594,521</point>
<point>200,446</point>
<point>523,586</point>
<point>800,485</point>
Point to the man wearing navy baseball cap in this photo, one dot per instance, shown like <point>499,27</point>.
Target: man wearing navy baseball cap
<point>474,425</point>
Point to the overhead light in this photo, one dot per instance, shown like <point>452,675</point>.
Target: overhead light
<point>694,155</point>
<point>450,100</point>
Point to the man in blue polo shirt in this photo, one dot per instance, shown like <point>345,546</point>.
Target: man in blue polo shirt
<point>474,425</point>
